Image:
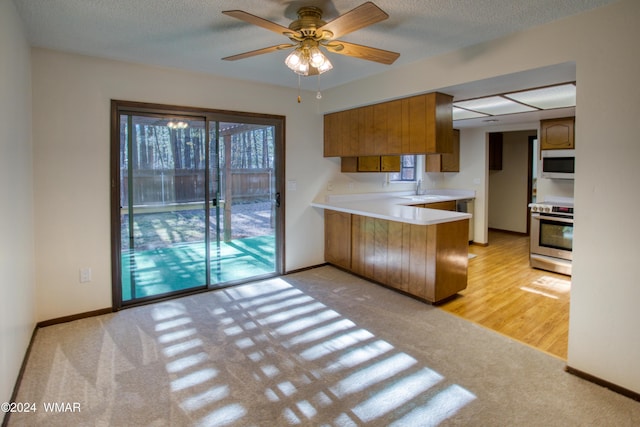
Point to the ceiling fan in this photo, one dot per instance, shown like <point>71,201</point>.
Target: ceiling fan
<point>309,33</point>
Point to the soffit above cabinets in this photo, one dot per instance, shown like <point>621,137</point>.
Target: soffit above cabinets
<point>529,100</point>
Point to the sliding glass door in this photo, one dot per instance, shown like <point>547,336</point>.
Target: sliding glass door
<point>246,202</point>
<point>163,233</point>
<point>195,201</point>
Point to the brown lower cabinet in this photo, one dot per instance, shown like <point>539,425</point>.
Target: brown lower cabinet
<point>337,238</point>
<point>428,262</point>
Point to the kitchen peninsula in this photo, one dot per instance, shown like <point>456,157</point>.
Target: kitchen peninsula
<point>404,241</point>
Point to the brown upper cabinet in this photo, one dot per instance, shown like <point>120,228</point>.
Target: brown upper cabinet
<point>416,125</point>
<point>557,134</point>
<point>446,162</point>
<point>370,164</point>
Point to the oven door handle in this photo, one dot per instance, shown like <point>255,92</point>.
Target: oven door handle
<point>552,218</point>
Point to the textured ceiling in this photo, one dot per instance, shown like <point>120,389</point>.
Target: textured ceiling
<point>195,35</point>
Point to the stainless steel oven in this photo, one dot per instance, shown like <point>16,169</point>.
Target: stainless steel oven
<point>552,237</point>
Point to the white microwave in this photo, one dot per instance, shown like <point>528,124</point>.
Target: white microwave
<point>558,164</point>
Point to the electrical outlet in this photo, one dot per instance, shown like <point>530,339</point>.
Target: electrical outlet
<point>85,275</point>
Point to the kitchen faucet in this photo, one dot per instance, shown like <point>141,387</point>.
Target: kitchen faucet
<point>419,187</point>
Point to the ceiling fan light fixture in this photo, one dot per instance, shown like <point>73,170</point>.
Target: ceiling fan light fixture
<point>326,66</point>
<point>177,124</point>
<point>298,62</point>
<point>294,59</point>
<point>303,58</point>
<point>316,57</point>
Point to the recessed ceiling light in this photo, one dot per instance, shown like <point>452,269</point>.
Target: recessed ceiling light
<point>547,97</point>
<point>494,105</point>
<point>461,114</point>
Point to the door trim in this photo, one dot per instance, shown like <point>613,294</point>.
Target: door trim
<point>122,106</point>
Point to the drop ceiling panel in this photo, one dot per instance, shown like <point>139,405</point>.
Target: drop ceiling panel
<point>549,97</point>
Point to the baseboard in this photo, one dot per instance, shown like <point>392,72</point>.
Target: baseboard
<point>516,233</point>
<point>606,384</point>
<point>298,270</point>
<point>23,367</point>
<point>73,317</point>
<point>44,323</point>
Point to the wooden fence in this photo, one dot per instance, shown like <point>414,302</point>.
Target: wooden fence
<point>185,186</point>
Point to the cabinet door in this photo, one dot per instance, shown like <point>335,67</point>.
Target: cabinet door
<point>495,151</point>
<point>427,124</point>
<point>337,238</point>
<point>350,133</point>
<point>369,164</point>
<point>332,145</point>
<point>348,164</point>
<point>557,134</point>
<point>394,127</point>
<point>414,112</point>
<point>433,163</point>
<point>366,137</point>
<point>379,128</point>
<point>451,161</point>
<point>446,162</point>
<point>439,118</point>
<point>390,164</point>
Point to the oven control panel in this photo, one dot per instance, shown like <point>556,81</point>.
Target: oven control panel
<point>547,208</point>
<point>535,207</point>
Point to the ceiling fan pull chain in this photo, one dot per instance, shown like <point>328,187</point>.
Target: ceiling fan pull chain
<point>299,97</point>
<point>319,94</point>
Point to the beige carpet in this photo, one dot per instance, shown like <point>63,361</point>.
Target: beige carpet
<point>317,348</point>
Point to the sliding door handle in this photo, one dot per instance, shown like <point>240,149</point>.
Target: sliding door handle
<point>277,200</point>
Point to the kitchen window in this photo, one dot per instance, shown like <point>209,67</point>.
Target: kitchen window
<point>407,170</point>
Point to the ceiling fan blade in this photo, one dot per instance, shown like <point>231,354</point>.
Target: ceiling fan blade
<point>362,16</point>
<point>258,52</point>
<point>260,22</point>
<point>362,52</point>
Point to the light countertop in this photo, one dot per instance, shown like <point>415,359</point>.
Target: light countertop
<point>397,206</point>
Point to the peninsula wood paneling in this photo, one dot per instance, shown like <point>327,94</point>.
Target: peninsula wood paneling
<point>394,255</point>
<point>451,241</point>
<point>419,274</point>
<point>427,261</point>
<point>337,245</point>
<point>381,249</point>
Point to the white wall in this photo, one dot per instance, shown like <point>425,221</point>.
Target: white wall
<point>72,97</point>
<point>473,175</point>
<point>17,283</point>
<point>604,316</point>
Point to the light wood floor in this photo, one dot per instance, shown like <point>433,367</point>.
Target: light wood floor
<point>505,294</point>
